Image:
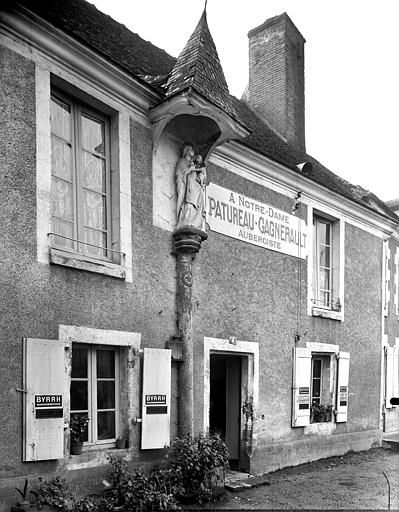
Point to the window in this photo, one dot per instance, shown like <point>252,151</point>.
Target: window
<point>80,178</point>
<point>95,391</point>
<point>321,390</point>
<point>316,381</point>
<point>326,284</point>
<point>322,262</point>
<point>320,384</point>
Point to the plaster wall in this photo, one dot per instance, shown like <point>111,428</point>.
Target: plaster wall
<point>259,295</point>
<point>36,298</point>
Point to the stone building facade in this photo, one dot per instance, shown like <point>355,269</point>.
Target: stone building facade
<point>265,323</point>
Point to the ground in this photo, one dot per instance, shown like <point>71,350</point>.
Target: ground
<point>354,481</point>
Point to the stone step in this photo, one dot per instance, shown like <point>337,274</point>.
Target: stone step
<point>236,481</point>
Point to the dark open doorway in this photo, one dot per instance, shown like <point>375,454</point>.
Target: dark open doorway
<point>225,402</point>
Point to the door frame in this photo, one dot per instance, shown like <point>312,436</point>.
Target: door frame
<point>249,379</point>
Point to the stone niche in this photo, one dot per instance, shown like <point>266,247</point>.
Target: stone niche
<point>203,132</point>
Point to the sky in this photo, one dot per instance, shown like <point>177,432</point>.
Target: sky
<point>351,70</point>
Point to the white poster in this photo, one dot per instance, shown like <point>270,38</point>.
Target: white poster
<point>256,223</point>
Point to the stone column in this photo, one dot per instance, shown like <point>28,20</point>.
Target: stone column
<point>187,242</point>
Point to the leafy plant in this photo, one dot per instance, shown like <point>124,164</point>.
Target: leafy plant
<point>93,503</point>
<point>320,413</point>
<point>55,492</point>
<point>195,458</point>
<point>78,425</point>
<point>142,491</point>
<point>25,492</point>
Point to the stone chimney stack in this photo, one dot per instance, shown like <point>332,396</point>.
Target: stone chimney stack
<point>276,77</point>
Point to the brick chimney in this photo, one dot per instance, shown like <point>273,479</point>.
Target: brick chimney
<point>276,77</point>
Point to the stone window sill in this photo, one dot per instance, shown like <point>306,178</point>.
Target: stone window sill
<point>83,262</point>
<point>93,458</point>
<point>327,313</point>
<point>321,429</point>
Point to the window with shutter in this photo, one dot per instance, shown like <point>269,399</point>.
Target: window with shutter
<point>95,391</point>
<point>320,384</point>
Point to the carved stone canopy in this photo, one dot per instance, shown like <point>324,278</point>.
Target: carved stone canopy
<point>220,128</point>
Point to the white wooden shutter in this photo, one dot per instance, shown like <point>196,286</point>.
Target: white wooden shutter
<point>395,377</point>
<point>342,387</point>
<point>302,359</point>
<point>389,377</point>
<point>43,399</point>
<point>155,432</point>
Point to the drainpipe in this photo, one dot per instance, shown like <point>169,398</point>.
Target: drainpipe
<point>187,242</point>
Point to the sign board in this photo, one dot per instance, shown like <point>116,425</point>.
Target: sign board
<point>256,223</point>
<point>48,401</point>
<point>155,399</point>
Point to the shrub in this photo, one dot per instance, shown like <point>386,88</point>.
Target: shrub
<point>55,492</point>
<point>194,458</point>
<point>142,491</point>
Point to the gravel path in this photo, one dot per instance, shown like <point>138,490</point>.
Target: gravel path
<point>354,481</point>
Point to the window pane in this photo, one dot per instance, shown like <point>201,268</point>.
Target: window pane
<point>93,172</point>
<point>316,388</point>
<point>106,425</point>
<point>84,437</point>
<point>324,279</point>
<point>64,228</point>
<point>97,238</point>
<point>105,364</point>
<point>316,368</point>
<point>79,396</point>
<point>323,231</point>
<point>79,362</point>
<point>325,298</point>
<point>61,159</point>
<point>105,394</point>
<point>61,199</point>
<point>324,256</point>
<point>94,210</point>
<point>93,134</point>
<point>61,119</point>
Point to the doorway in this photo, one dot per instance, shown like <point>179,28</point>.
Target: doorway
<point>225,402</point>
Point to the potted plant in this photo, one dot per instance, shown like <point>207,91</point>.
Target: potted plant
<point>54,494</point>
<point>24,503</point>
<point>77,426</point>
<point>320,413</point>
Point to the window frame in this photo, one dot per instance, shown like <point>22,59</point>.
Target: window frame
<point>77,110</point>
<point>93,443</point>
<point>119,114</point>
<point>312,378</point>
<point>335,309</point>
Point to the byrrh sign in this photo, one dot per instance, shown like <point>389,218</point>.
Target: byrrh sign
<point>256,223</point>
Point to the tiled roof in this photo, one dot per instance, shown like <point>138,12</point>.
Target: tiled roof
<point>198,66</point>
<point>113,40</point>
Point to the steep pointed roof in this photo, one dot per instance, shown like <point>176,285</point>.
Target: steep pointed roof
<point>198,67</point>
